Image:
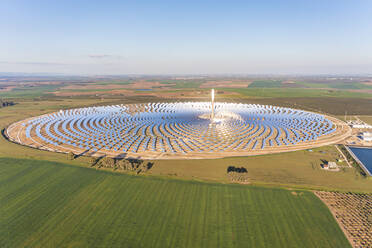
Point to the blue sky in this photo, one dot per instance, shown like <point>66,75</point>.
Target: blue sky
<point>186,37</point>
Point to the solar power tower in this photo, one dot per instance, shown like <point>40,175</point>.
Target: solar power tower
<point>212,95</point>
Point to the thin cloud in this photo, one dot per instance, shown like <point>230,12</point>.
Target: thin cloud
<point>31,63</point>
<point>104,56</point>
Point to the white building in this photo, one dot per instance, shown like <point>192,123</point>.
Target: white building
<point>332,165</point>
<point>367,136</point>
<point>359,125</point>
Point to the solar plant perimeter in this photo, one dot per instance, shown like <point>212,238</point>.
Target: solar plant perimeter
<point>178,130</point>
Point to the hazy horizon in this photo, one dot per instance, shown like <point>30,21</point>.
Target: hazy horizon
<point>190,38</point>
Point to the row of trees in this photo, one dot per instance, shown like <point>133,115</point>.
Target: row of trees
<point>136,165</point>
<point>238,174</point>
<point>236,169</point>
<point>6,103</point>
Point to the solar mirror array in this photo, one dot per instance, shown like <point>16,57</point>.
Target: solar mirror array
<point>177,128</point>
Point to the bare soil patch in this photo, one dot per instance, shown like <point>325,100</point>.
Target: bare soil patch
<point>288,82</point>
<point>196,94</point>
<point>6,88</point>
<point>147,84</point>
<point>85,93</point>
<point>362,91</point>
<point>368,82</point>
<point>134,85</point>
<point>296,193</point>
<point>92,87</point>
<point>225,84</point>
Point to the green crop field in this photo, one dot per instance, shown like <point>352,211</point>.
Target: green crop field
<point>296,92</point>
<point>348,85</point>
<point>182,84</point>
<point>44,204</point>
<point>327,105</point>
<point>126,82</point>
<point>312,84</point>
<point>28,92</point>
<point>265,84</point>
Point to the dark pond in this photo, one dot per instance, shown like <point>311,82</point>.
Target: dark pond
<point>365,156</point>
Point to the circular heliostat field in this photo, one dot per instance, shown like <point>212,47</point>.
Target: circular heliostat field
<point>177,130</point>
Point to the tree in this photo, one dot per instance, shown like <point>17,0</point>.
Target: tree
<point>108,162</point>
<point>71,156</point>
<point>147,166</point>
<point>6,103</point>
<point>123,164</point>
<point>135,163</point>
<point>92,161</point>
